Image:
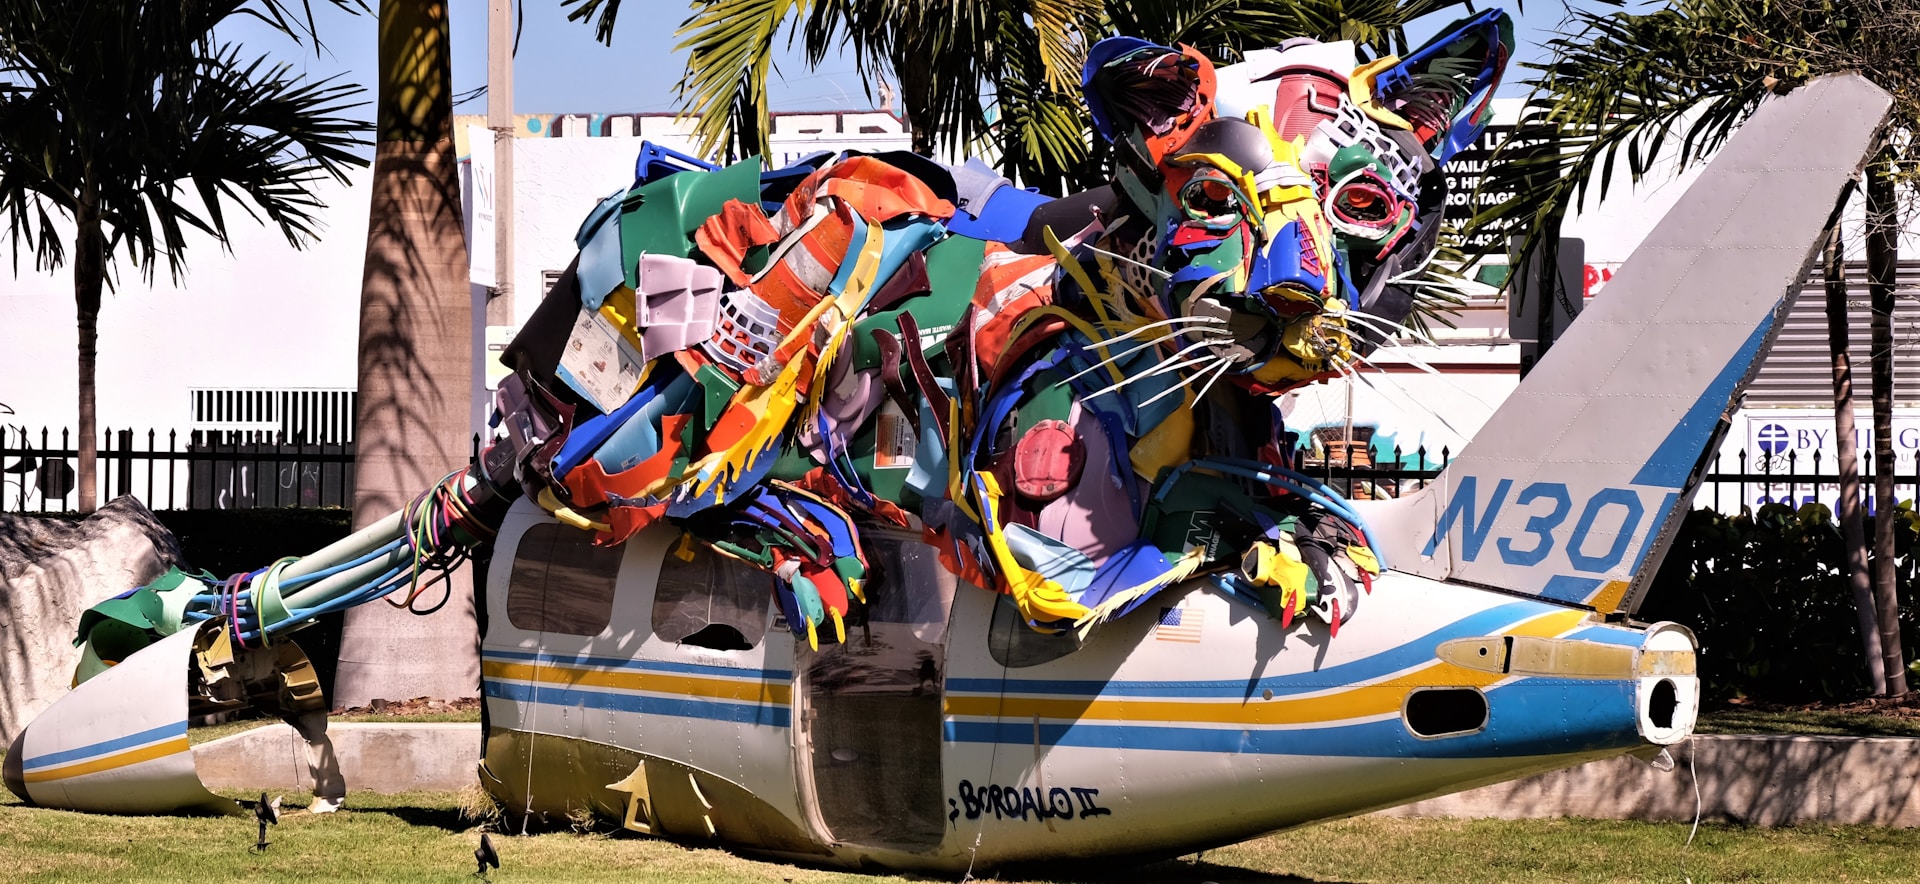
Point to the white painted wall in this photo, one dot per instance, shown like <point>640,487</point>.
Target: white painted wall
<point>264,316</point>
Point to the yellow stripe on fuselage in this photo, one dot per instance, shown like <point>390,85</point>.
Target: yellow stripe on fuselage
<point>117,760</point>
<point>1361,701</point>
<point>652,682</point>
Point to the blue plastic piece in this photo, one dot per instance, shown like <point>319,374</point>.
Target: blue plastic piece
<point>1475,114</point>
<point>639,438</point>
<point>600,270</point>
<point>1004,217</point>
<point>658,162</point>
<point>1285,261</point>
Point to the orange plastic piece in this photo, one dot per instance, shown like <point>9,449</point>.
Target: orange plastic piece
<point>727,237</point>
<point>590,484</point>
<point>880,192</point>
<point>1004,292</point>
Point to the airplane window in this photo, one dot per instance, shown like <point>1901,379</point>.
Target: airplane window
<point>1013,644</point>
<point>561,582</point>
<point>711,601</point>
<point>1445,712</point>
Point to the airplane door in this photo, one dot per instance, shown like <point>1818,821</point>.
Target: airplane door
<point>870,719</point>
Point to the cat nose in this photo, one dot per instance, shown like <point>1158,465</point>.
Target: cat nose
<point>1291,261</point>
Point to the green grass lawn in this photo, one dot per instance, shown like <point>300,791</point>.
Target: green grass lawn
<point>1734,720</point>
<point>424,837</point>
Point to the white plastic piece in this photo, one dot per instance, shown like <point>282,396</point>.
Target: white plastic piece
<point>676,304</point>
<point>1352,126</point>
<point>1239,88</point>
<point>746,331</point>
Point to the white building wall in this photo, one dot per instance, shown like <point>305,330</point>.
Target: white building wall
<point>264,315</point>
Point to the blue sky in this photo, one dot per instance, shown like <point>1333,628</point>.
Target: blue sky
<point>562,69</point>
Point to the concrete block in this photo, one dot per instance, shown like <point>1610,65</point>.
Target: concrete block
<point>1751,780</point>
<point>374,757</point>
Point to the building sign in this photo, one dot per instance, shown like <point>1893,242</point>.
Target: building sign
<point>480,220</point>
<point>1466,173</point>
<point>1784,442</point>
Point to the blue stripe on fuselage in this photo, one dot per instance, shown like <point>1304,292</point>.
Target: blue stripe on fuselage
<point>752,672</point>
<point>1568,716</point>
<point>105,747</point>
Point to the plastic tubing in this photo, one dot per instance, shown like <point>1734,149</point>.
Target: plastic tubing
<point>345,581</point>
<point>354,546</point>
<point>291,585</point>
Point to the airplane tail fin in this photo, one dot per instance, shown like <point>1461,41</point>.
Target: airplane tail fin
<point>1573,489</point>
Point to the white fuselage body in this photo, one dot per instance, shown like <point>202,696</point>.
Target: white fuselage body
<point>1151,738</point>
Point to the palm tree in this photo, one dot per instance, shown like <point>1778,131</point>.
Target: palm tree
<point>130,121</point>
<point>416,361</point>
<point>997,74</point>
<point>1688,75</point>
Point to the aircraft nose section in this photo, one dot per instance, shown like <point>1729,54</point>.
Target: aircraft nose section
<point>1666,684</point>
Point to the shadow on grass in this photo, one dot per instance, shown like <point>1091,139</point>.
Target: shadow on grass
<point>1162,871</point>
<point>448,819</point>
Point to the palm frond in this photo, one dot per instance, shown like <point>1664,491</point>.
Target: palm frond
<point>130,104</point>
<point>731,43</point>
<point>1617,83</point>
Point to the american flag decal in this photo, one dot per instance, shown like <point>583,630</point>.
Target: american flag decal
<point>1179,625</point>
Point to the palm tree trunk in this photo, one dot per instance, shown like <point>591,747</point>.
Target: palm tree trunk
<point>416,359</point>
<point>915,73</point>
<point>89,276</point>
<point>1852,523</point>
<point>1883,255</point>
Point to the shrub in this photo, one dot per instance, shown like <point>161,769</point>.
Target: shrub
<point>1766,591</point>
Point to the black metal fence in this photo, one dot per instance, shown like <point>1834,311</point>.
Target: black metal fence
<point>242,470</point>
<point>1752,480</point>
<point>205,470</point>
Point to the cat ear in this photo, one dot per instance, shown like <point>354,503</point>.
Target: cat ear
<point>1443,91</point>
<point>1146,98</point>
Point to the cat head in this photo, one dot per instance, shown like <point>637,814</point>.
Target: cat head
<point>1281,195</point>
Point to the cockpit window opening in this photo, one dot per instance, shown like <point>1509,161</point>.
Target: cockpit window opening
<point>1015,645</point>
<point>561,582</point>
<point>710,601</point>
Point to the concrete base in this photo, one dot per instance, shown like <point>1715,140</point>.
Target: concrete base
<point>436,757</point>
<point>1751,780</point>
<point>1759,781</point>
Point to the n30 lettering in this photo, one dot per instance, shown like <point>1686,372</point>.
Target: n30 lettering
<point>1548,505</point>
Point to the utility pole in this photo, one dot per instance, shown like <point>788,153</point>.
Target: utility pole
<point>500,121</point>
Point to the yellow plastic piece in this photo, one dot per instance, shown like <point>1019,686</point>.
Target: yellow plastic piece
<point>620,309</point>
<point>1360,89</point>
<point>1037,597</point>
<point>771,406</point>
<point>1278,563</point>
<point>1166,445</point>
<point>1072,265</point>
<point>1364,558</point>
<point>565,514</point>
